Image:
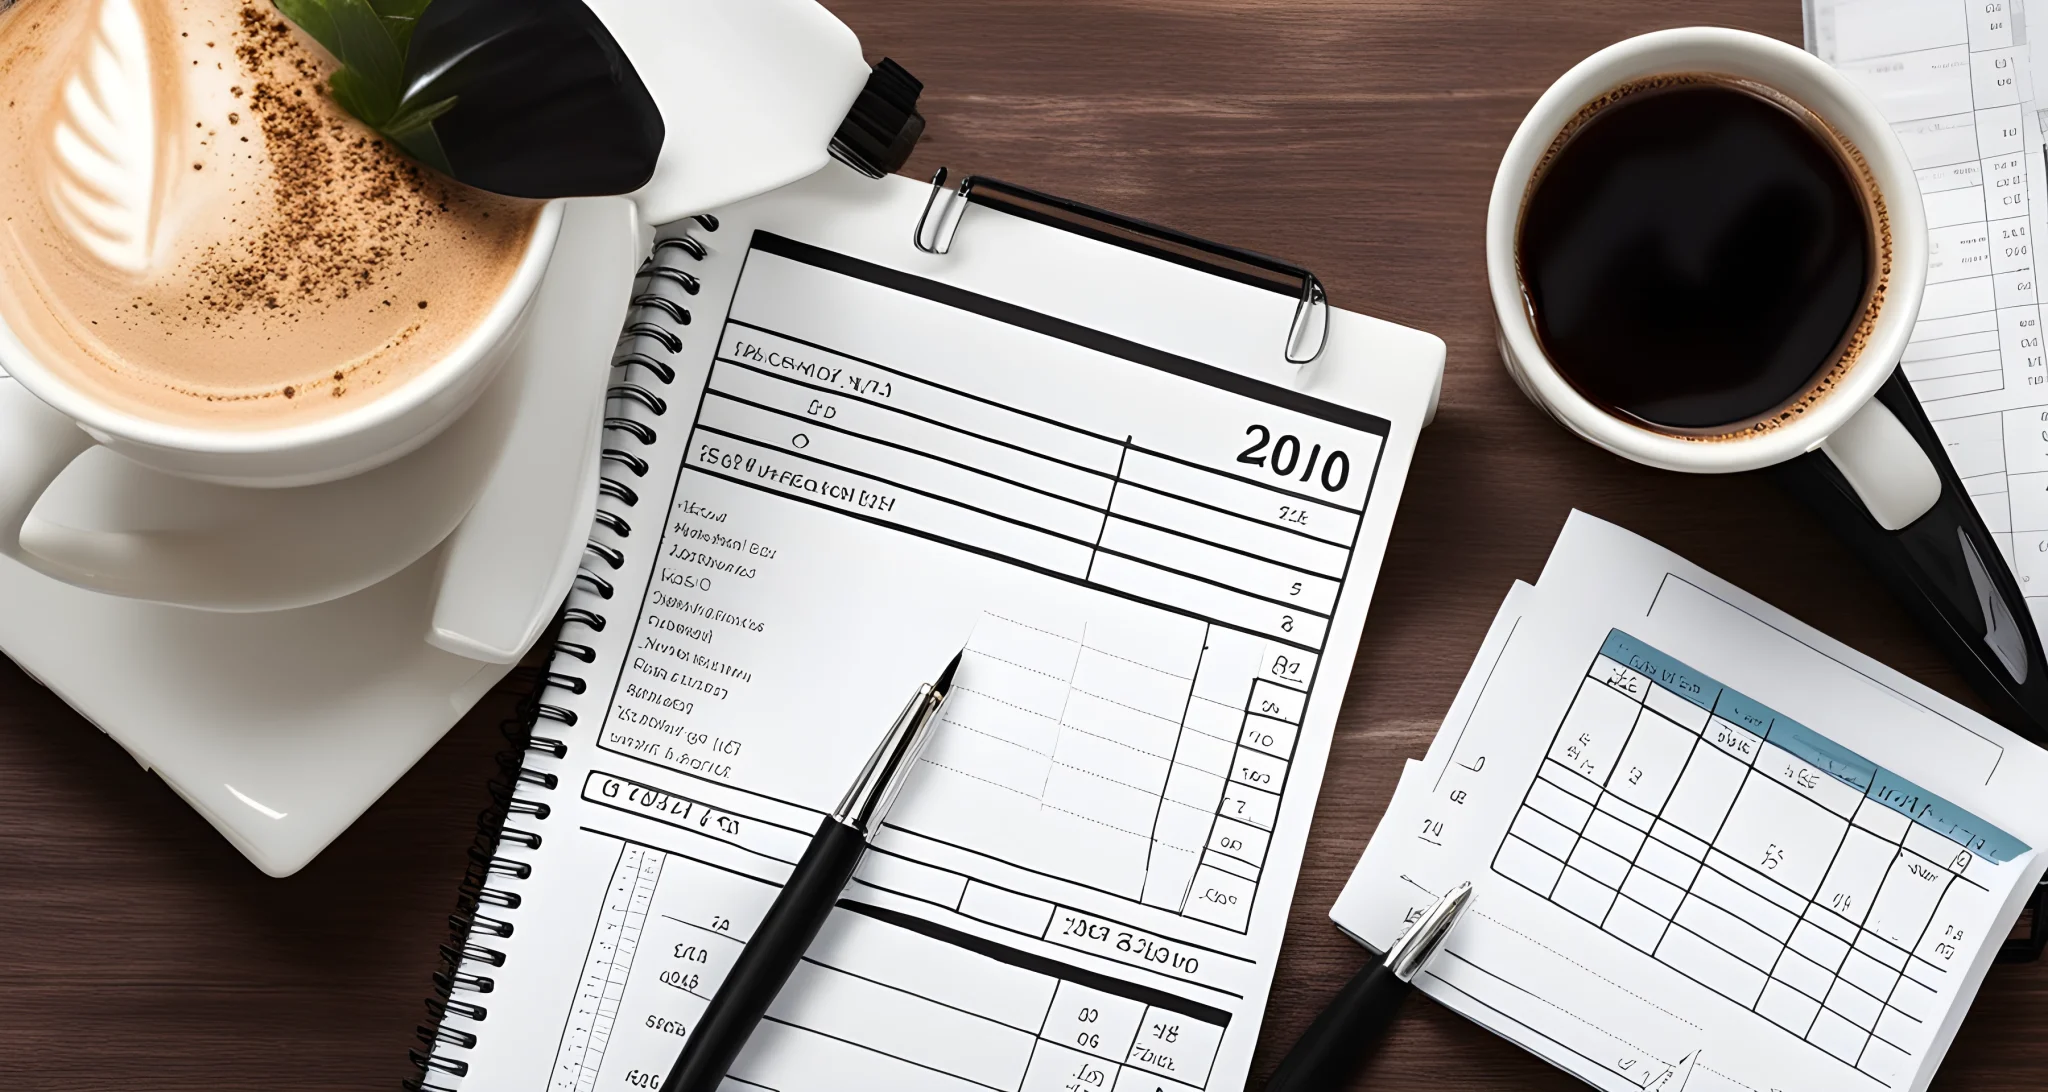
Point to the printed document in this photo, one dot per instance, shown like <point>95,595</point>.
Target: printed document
<point>1711,849</point>
<point>1957,79</point>
<point>1093,471</point>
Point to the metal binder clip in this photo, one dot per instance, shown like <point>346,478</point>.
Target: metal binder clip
<point>1306,335</point>
<point>941,233</point>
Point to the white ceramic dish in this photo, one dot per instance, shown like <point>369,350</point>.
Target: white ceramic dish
<point>281,727</point>
<point>751,92</point>
<point>367,626</point>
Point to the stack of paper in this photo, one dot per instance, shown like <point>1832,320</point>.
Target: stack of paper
<point>1712,848</point>
<point>1959,80</point>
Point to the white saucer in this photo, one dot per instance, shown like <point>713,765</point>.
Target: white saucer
<point>282,727</point>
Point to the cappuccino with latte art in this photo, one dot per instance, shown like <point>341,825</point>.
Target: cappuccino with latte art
<point>193,232</point>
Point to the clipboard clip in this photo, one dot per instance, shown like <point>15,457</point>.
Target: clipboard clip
<point>1306,335</point>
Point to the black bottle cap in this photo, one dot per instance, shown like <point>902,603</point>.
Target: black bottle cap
<point>883,126</point>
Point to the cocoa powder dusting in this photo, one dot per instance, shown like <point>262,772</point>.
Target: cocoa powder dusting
<point>341,203</point>
<point>295,265</point>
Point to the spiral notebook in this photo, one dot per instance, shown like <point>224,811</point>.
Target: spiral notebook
<point>840,456</point>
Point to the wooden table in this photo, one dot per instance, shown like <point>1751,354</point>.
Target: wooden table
<point>139,950</point>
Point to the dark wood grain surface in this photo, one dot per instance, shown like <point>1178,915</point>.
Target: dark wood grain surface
<point>138,950</point>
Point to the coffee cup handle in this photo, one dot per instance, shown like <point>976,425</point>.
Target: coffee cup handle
<point>312,549</point>
<point>236,572</point>
<point>36,444</point>
<point>1884,483</point>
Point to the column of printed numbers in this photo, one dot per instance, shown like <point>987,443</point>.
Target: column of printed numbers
<point>1881,959</point>
<point>1542,850</point>
<point>1199,780</point>
<point>1782,842</point>
<point>1597,734</point>
<point>1086,1036</point>
<point>1700,933</point>
<point>1819,963</point>
<point>1658,754</point>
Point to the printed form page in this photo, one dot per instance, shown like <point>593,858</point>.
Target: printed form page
<point>1956,80</point>
<point>1158,569</point>
<point>1696,863</point>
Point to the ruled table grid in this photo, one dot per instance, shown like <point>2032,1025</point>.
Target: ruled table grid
<point>1265,557</point>
<point>1166,748</point>
<point>1753,855</point>
<point>889,993</point>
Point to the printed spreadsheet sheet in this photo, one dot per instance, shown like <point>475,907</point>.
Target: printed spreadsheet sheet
<point>1958,80</point>
<point>1696,863</point>
<point>1114,758</point>
<point>1753,855</point>
<point>1116,755</point>
<point>1157,566</point>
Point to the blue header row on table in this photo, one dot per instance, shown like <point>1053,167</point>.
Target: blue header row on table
<point>1874,781</point>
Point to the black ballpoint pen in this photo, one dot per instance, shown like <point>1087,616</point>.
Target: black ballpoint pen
<point>797,914</point>
<point>1323,1059</point>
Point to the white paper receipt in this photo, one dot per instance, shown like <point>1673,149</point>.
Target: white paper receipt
<point>1680,883</point>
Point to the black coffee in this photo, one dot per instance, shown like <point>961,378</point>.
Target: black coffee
<point>1695,255</point>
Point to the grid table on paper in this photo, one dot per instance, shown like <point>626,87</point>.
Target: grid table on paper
<point>1150,739</point>
<point>1753,855</point>
<point>1171,743</point>
<point>1951,77</point>
<point>897,1001</point>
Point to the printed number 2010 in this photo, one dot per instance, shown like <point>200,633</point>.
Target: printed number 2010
<point>1285,457</point>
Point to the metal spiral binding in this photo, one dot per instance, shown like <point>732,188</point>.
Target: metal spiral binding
<point>485,897</point>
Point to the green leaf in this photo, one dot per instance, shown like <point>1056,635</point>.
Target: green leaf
<point>400,16</point>
<point>347,87</point>
<point>411,116</point>
<point>315,19</point>
<point>423,144</point>
<point>367,48</point>
<point>370,39</point>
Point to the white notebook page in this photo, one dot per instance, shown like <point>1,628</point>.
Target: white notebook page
<point>1158,569</point>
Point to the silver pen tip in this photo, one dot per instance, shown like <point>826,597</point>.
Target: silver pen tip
<point>945,681</point>
<point>867,802</point>
<point>1427,933</point>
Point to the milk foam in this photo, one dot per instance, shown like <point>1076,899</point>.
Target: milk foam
<point>103,149</point>
<point>193,232</point>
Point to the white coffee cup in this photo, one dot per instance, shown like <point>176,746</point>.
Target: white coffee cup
<point>789,69</point>
<point>382,429</point>
<point>326,534</point>
<point>1888,470</point>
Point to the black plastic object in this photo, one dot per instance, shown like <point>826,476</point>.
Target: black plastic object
<point>883,126</point>
<point>1329,1051</point>
<point>2026,948</point>
<point>764,965</point>
<point>546,103</point>
<point>1947,570</point>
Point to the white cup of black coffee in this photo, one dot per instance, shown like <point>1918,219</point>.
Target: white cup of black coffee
<point>1706,252</point>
